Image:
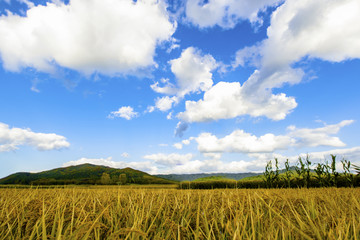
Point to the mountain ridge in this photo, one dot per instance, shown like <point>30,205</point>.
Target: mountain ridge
<point>84,174</point>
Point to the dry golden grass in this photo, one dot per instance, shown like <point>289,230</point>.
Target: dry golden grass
<point>118,213</point>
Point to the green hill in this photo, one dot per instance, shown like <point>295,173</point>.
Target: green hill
<point>84,174</point>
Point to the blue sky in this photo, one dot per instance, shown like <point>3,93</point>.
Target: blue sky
<point>177,86</point>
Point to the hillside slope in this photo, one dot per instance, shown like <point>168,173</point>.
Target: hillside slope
<point>83,174</point>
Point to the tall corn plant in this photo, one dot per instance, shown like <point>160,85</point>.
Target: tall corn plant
<point>270,175</point>
<point>327,172</point>
<point>347,174</point>
<point>334,173</point>
<point>301,171</point>
<point>320,171</point>
<point>307,171</point>
<point>288,173</point>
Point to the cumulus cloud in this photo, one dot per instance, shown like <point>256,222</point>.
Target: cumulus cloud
<point>242,142</point>
<point>318,136</point>
<point>143,166</point>
<point>165,103</point>
<point>172,159</point>
<point>229,100</point>
<point>12,138</point>
<point>301,30</point>
<point>104,36</point>
<point>225,13</point>
<point>193,72</point>
<point>124,112</point>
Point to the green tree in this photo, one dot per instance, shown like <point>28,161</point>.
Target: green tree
<point>105,179</point>
<point>122,179</point>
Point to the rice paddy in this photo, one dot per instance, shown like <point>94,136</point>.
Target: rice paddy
<point>123,213</point>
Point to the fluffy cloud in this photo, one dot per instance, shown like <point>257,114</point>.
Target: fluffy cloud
<point>229,100</point>
<point>124,112</point>
<point>105,36</point>
<point>165,103</point>
<point>311,28</point>
<point>301,30</point>
<point>193,72</point>
<point>319,136</point>
<point>172,159</point>
<point>143,166</point>
<point>225,13</point>
<point>12,138</point>
<point>242,142</point>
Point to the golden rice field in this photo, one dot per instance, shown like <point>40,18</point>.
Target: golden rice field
<point>118,213</point>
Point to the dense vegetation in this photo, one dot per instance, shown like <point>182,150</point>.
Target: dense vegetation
<point>116,213</point>
<point>84,174</point>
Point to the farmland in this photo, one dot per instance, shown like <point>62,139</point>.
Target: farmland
<point>141,213</point>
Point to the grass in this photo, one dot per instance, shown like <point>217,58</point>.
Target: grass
<point>120,213</point>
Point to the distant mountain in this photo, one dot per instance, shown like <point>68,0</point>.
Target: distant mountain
<point>84,174</point>
<point>191,177</point>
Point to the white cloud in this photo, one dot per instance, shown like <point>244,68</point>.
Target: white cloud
<point>165,103</point>
<point>229,100</point>
<point>311,28</point>
<point>193,72</point>
<point>225,13</point>
<point>105,36</point>
<point>172,159</point>
<point>319,136</point>
<point>12,138</point>
<point>242,142</point>
<point>178,146</point>
<point>125,155</point>
<point>124,112</point>
<point>143,166</point>
<point>301,30</point>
